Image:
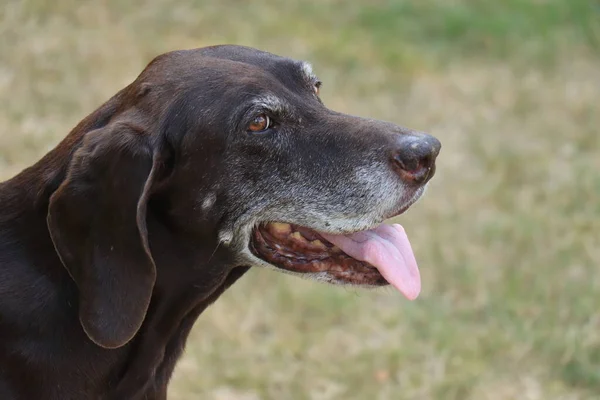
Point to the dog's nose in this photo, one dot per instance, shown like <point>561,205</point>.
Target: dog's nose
<point>414,157</point>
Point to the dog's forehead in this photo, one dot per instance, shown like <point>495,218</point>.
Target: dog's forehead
<point>281,67</point>
<point>234,64</point>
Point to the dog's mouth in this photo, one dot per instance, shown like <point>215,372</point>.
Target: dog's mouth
<point>374,257</point>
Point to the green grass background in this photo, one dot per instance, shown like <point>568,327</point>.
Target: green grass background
<point>507,237</point>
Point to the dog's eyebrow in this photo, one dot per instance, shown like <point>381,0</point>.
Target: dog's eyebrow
<point>307,71</point>
<point>273,104</point>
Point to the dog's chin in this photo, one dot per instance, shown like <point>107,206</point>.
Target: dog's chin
<point>303,251</point>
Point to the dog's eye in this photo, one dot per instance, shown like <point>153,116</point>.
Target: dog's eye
<point>317,87</point>
<point>260,123</point>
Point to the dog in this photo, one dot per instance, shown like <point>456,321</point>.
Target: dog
<point>212,161</point>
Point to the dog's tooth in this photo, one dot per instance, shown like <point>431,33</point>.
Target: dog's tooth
<point>298,236</point>
<point>280,228</point>
<point>336,249</point>
<point>317,243</point>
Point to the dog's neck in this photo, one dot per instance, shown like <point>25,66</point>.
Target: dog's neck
<point>189,279</point>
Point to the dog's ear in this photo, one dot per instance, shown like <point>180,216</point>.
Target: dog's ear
<point>97,221</point>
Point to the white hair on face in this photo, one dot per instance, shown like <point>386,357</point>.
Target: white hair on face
<point>307,70</point>
<point>226,237</point>
<point>272,103</point>
<point>209,201</point>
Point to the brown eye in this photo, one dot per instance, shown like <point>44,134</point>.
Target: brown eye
<point>260,123</point>
<point>317,88</point>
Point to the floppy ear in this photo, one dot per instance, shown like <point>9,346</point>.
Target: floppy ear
<point>97,221</point>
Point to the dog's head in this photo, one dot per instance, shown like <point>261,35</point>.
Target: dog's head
<point>234,146</point>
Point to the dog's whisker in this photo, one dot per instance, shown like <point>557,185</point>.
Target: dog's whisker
<point>214,251</point>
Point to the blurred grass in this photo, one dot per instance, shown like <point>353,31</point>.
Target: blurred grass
<point>507,237</point>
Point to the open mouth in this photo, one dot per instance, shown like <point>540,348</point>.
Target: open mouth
<point>375,257</point>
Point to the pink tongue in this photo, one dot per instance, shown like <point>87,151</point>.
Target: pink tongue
<point>386,248</point>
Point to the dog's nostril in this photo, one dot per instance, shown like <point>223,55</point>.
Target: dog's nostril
<point>406,163</point>
<point>415,158</point>
<point>414,164</point>
<point>415,170</point>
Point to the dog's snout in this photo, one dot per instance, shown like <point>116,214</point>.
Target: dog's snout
<point>414,157</point>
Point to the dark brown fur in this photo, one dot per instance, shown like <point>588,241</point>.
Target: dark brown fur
<point>107,255</point>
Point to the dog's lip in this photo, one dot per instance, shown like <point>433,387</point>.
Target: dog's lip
<point>399,212</point>
<point>408,204</point>
<point>302,250</point>
<point>340,231</point>
<point>378,256</point>
<point>372,257</point>
<point>244,229</point>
